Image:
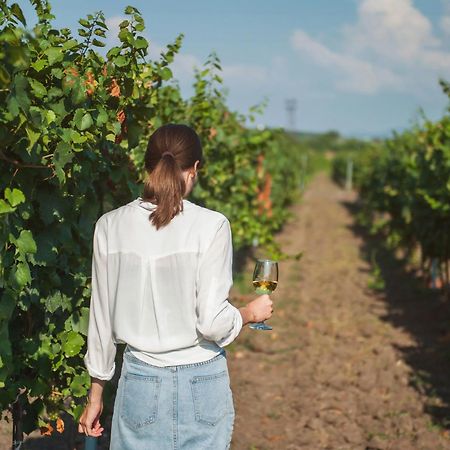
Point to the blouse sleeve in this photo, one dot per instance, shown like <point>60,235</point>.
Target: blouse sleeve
<point>101,348</point>
<point>217,319</point>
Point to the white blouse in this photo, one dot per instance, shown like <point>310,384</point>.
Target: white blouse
<point>163,292</point>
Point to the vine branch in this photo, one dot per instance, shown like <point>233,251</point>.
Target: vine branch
<point>20,164</point>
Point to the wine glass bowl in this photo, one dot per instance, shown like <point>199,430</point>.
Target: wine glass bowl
<point>265,281</point>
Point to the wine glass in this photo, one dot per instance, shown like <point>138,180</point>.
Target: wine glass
<point>265,280</point>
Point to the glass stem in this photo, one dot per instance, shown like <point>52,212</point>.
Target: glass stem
<point>261,291</point>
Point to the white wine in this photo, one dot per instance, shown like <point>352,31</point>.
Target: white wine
<point>265,284</point>
<point>265,281</point>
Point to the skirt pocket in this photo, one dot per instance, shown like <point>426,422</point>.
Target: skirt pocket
<point>140,397</point>
<point>212,397</point>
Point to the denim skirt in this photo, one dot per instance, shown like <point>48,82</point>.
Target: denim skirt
<point>183,407</point>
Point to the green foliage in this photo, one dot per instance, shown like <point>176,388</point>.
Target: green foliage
<point>404,185</point>
<point>74,127</point>
<point>65,124</point>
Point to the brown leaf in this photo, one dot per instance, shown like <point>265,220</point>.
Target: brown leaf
<point>114,89</point>
<point>47,430</point>
<point>212,133</point>
<point>90,83</point>
<point>121,116</point>
<point>59,425</point>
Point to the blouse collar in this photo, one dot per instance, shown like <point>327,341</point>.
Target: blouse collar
<point>145,204</point>
<point>151,206</point>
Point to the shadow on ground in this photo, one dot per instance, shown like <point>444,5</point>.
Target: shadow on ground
<point>420,311</point>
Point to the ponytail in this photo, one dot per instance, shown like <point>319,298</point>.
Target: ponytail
<point>167,186</point>
<point>172,149</point>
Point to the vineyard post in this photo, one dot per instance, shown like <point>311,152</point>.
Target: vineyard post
<point>90,443</point>
<point>446,280</point>
<point>349,174</point>
<point>434,273</point>
<point>304,168</point>
<point>17,414</point>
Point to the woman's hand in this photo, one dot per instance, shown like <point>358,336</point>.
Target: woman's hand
<point>257,310</point>
<point>90,419</point>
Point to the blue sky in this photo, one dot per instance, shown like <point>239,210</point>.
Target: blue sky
<point>362,67</point>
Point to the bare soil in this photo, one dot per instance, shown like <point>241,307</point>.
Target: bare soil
<point>345,367</point>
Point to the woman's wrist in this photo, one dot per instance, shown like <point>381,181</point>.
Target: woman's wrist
<point>247,315</point>
<point>94,397</point>
<point>95,394</point>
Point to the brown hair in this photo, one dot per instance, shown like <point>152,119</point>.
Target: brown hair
<point>171,149</point>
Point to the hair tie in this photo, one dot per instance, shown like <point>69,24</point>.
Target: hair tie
<point>168,153</point>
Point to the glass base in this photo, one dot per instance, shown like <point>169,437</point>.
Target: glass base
<point>260,326</point>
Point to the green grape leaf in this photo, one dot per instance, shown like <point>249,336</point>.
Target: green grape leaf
<point>54,54</point>
<point>78,386</point>
<point>38,88</point>
<point>25,242</point>
<point>5,207</point>
<point>15,196</point>
<point>63,155</point>
<point>21,274</point>
<point>71,343</point>
<point>17,12</point>
<point>166,74</point>
<point>140,42</point>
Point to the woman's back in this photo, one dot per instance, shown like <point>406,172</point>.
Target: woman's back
<point>167,289</point>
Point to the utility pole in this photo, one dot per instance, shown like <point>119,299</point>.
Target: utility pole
<point>291,109</point>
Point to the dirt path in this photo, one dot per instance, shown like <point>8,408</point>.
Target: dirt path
<point>344,368</point>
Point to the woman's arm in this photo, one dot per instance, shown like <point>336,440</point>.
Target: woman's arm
<point>89,423</point>
<point>217,319</point>
<point>101,348</point>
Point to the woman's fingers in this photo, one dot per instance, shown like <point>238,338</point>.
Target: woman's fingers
<point>90,430</point>
<point>89,423</point>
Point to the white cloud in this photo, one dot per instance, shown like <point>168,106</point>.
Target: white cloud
<point>393,29</point>
<point>392,45</point>
<point>445,24</point>
<point>113,29</point>
<point>356,74</point>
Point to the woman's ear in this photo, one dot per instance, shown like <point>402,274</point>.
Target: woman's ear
<point>195,168</point>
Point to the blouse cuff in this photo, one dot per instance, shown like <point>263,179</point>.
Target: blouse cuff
<point>101,375</point>
<point>234,332</point>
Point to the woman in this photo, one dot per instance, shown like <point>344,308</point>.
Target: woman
<point>161,275</point>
